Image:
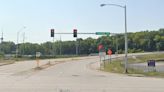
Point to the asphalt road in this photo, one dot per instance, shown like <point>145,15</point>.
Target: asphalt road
<point>78,75</point>
<point>144,67</point>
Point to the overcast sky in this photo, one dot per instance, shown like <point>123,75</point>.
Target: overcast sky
<point>39,16</point>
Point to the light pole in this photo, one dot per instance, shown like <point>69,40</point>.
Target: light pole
<point>126,42</point>
<point>77,46</point>
<point>17,49</point>
<point>24,37</point>
<point>60,45</point>
<point>116,42</point>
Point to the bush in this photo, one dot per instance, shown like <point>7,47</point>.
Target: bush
<point>134,50</point>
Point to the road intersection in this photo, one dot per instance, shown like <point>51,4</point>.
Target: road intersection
<point>77,75</point>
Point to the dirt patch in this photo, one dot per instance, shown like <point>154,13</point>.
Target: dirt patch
<point>5,63</point>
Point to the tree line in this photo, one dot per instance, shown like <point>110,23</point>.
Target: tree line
<point>137,42</point>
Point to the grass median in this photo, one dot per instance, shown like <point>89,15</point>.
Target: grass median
<point>117,65</point>
<point>6,62</point>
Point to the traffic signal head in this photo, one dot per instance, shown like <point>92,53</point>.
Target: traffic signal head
<point>75,33</point>
<point>52,32</point>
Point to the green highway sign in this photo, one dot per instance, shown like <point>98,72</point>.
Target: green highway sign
<point>103,33</point>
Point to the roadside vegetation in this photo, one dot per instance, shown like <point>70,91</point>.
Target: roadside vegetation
<point>117,65</point>
<point>144,58</point>
<point>144,41</point>
<point>5,62</point>
<point>13,59</point>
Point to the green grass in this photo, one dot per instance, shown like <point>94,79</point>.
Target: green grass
<point>151,56</point>
<point>151,74</point>
<point>116,66</point>
<point>144,58</point>
<point>20,59</point>
<point>5,62</point>
<point>45,57</point>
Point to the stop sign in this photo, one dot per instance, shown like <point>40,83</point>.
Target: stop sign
<point>109,52</point>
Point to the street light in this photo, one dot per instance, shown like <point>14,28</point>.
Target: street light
<point>126,42</point>
<point>17,49</point>
<point>116,42</point>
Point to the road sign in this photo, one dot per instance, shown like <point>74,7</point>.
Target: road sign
<point>109,52</point>
<point>101,48</point>
<point>103,33</point>
<point>38,54</point>
<point>151,63</point>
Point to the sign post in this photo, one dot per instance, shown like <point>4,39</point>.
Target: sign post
<point>110,53</point>
<point>102,54</point>
<point>37,58</point>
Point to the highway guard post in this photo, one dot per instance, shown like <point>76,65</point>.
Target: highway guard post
<point>102,54</point>
<point>37,58</point>
<point>109,54</point>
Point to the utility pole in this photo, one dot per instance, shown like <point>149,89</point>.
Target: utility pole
<point>17,48</point>
<point>126,38</point>
<point>116,44</point>
<point>60,45</point>
<point>1,41</point>
<point>23,43</point>
<point>53,47</point>
<point>126,42</point>
<point>52,33</point>
<point>2,37</point>
<point>76,46</point>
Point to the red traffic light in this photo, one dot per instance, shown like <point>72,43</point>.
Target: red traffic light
<point>75,33</point>
<point>52,32</point>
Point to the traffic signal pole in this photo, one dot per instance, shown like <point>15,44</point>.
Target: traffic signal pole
<point>97,33</point>
<point>52,35</point>
<point>77,46</point>
<point>75,35</point>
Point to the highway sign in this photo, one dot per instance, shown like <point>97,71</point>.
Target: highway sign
<point>38,54</point>
<point>151,63</point>
<point>103,33</point>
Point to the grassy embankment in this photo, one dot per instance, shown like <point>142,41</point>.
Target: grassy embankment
<point>11,60</point>
<point>117,65</point>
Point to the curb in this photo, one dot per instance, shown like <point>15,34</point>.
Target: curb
<point>2,64</point>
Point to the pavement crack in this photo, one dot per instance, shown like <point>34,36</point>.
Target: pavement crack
<point>76,75</point>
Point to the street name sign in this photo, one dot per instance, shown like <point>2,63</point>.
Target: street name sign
<point>103,33</point>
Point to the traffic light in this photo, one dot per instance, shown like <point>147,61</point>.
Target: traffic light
<point>75,33</point>
<point>52,32</point>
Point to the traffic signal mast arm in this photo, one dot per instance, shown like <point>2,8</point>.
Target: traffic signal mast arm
<point>87,33</point>
<point>77,33</point>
